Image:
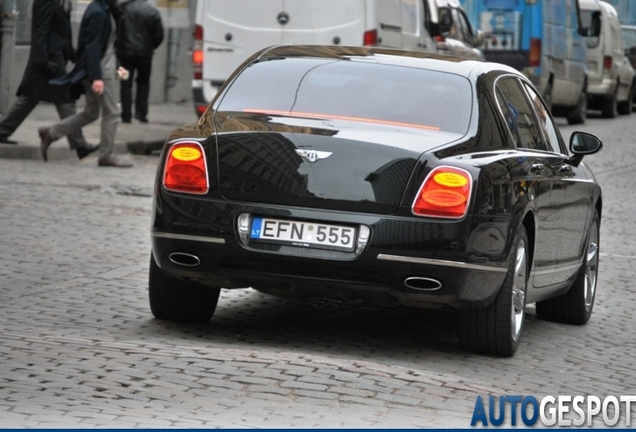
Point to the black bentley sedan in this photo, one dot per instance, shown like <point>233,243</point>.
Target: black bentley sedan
<point>381,175</point>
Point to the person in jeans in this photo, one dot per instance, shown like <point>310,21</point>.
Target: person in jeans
<point>51,49</point>
<point>140,32</point>
<point>94,75</point>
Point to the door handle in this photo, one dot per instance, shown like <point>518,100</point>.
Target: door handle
<point>537,168</point>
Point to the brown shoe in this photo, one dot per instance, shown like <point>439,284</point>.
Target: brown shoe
<point>45,141</point>
<point>113,161</point>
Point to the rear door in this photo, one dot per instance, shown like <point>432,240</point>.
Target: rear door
<point>539,170</point>
<point>324,22</point>
<point>235,30</point>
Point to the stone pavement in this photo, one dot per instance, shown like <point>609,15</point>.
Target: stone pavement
<point>135,137</point>
<point>80,349</point>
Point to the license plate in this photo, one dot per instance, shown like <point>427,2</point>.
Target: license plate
<point>303,234</point>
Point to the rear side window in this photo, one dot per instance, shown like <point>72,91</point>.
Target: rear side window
<point>519,115</point>
<point>353,90</point>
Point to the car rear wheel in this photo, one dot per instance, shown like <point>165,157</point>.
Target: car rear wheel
<point>575,306</point>
<point>609,109</point>
<point>496,329</point>
<point>625,108</point>
<point>579,114</point>
<point>179,300</point>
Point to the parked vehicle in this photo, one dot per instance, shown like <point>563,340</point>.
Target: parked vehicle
<point>227,33</point>
<point>628,33</point>
<point>610,75</point>
<point>382,175</point>
<point>542,39</point>
<point>454,34</point>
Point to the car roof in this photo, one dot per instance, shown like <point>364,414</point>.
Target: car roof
<point>389,56</point>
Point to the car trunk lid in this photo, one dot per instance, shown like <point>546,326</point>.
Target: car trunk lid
<point>319,163</point>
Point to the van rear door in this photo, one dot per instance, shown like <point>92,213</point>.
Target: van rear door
<point>323,22</point>
<point>233,31</point>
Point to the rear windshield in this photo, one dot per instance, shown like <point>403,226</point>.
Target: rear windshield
<point>360,91</point>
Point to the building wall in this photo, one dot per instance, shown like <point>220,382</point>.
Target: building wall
<point>171,77</point>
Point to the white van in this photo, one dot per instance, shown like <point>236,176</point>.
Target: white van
<point>228,32</point>
<point>610,71</point>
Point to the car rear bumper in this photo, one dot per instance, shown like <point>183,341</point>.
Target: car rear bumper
<point>411,261</point>
<point>603,88</point>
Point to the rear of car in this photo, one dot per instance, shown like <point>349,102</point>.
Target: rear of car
<point>381,175</point>
<point>610,73</point>
<point>298,188</point>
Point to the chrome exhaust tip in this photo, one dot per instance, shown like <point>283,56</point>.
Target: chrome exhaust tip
<point>184,259</point>
<point>422,283</point>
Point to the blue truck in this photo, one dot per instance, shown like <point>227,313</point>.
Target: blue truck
<point>544,40</point>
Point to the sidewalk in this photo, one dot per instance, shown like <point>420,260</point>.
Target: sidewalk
<point>136,137</point>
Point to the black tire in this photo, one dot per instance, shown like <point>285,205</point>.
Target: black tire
<point>496,329</point>
<point>609,109</point>
<point>579,114</point>
<point>575,306</point>
<point>625,107</point>
<point>179,300</point>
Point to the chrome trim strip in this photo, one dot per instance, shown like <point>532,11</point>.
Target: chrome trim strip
<point>557,268</point>
<point>436,262</point>
<point>189,237</point>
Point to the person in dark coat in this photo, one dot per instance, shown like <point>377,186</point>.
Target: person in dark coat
<point>94,76</point>
<point>51,50</point>
<point>138,36</point>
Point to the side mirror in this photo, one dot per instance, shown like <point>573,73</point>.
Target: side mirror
<point>581,144</point>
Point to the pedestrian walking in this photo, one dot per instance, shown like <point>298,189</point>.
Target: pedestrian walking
<point>140,33</point>
<point>94,75</point>
<point>50,51</point>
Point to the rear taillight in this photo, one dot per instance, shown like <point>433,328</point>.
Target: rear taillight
<point>535,52</point>
<point>185,170</point>
<point>607,63</point>
<point>200,108</point>
<point>197,53</point>
<point>445,193</point>
<point>370,38</point>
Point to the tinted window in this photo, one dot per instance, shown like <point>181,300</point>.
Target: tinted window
<point>519,115</point>
<point>545,121</point>
<point>353,90</point>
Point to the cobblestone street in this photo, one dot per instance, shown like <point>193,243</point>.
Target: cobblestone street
<point>80,347</point>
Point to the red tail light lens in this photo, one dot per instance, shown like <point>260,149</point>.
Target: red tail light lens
<point>607,62</point>
<point>186,170</point>
<point>445,193</point>
<point>197,53</point>
<point>535,52</point>
<point>201,109</point>
<point>370,38</point>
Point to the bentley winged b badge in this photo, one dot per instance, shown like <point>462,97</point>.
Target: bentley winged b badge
<point>313,155</point>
